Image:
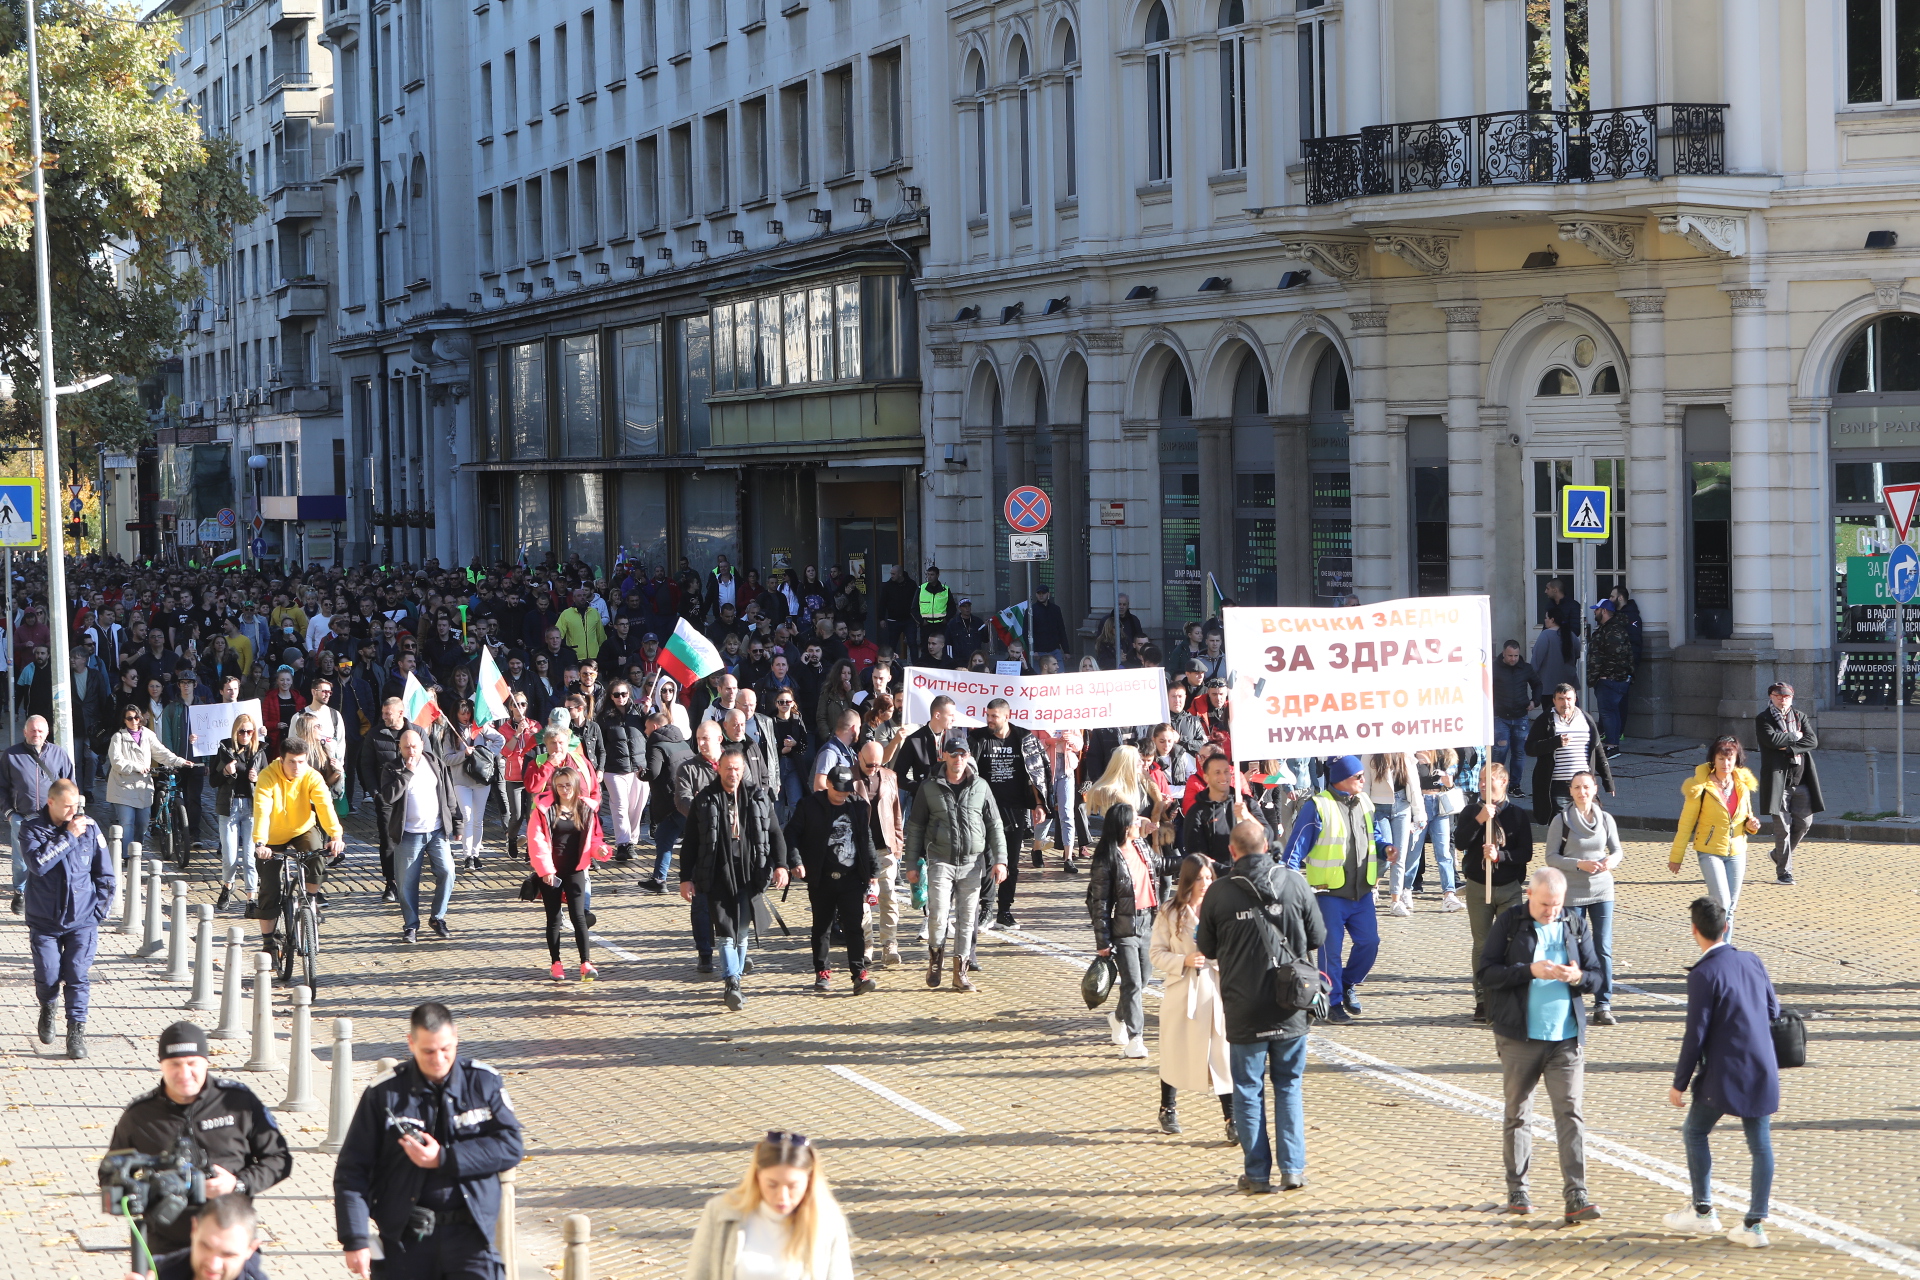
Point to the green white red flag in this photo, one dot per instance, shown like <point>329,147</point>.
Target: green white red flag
<point>688,655</point>
<point>491,691</point>
<point>422,707</point>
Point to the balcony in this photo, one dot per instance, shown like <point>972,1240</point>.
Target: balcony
<point>286,13</point>
<point>1505,148</point>
<point>296,202</point>
<point>296,299</point>
<point>292,95</point>
<point>342,20</point>
<point>346,157</point>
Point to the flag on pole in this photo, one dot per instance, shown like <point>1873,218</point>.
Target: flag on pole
<point>688,655</point>
<point>490,694</point>
<point>1214,598</point>
<point>1010,624</point>
<point>422,708</point>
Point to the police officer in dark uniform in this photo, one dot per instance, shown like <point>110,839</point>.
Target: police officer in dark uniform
<point>422,1161</point>
<point>225,1246</point>
<point>232,1135</point>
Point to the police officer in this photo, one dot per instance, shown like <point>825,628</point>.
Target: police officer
<point>232,1135</point>
<point>225,1246</point>
<point>422,1162</point>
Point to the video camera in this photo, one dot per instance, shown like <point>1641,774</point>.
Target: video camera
<point>156,1187</point>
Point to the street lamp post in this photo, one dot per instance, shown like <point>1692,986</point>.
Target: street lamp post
<point>258,465</point>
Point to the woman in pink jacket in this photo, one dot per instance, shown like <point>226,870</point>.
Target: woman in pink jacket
<point>563,843</point>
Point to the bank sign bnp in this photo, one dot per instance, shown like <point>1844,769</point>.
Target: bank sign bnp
<point>1586,512</point>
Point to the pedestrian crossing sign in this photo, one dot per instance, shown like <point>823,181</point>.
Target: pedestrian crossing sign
<point>19,511</point>
<point>1586,512</point>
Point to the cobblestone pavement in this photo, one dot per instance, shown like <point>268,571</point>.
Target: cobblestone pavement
<point>1001,1133</point>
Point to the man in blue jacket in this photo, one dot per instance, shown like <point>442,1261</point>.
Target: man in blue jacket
<point>422,1161</point>
<point>70,877</point>
<point>1727,1056</point>
<point>27,769</point>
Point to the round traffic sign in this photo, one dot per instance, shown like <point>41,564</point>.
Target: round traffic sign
<point>1028,509</point>
<point>225,517</point>
<point>1903,573</point>
<point>76,506</point>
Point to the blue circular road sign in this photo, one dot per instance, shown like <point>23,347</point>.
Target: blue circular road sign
<point>1903,573</point>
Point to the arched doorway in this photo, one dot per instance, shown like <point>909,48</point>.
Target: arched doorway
<point>1181,580</point>
<point>1330,503</point>
<point>1253,581</point>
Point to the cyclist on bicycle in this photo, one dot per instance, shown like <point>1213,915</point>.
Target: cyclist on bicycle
<point>291,808</point>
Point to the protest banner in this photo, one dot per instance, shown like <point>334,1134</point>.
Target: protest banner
<point>1401,675</point>
<point>209,722</point>
<point>1080,700</point>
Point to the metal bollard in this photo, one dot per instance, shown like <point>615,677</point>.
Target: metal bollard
<point>300,1097</point>
<point>340,1091</point>
<point>233,1023</point>
<point>579,1235</point>
<point>202,997</point>
<point>130,918</point>
<point>177,958</point>
<point>119,881</point>
<point>1873,780</point>
<point>155,937</point>
<point>266,1056</point>
<point>506,1240</point>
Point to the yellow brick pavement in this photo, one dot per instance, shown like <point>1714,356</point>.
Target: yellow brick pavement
<point>640,1095</point>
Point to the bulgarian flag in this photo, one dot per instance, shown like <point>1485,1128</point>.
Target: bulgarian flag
<point>490,696</point>
<point>422,708</point>
<point>688,655</point>
<point>1010,624</point>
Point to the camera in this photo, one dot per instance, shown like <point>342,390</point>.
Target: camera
<point>156,1187</point>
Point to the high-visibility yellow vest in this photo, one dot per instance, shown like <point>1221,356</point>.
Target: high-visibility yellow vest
<point>1327,859</point>
<point>933,603</point>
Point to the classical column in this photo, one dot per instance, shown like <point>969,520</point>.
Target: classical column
<point>1292,511</point>
<point>1361,65</point>
<point>1638,32</point>
<point>1113,466</point>
<point>1752,518</point>
<point>1749,82</point>
<point>1454,49</point>
<point>1216,500</point>
<point>1374,516</point>
<point>1466,471</point>
<point>1655,542</point>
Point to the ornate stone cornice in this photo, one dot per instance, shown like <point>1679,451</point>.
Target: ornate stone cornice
<point>946,357</point>
<point>1101,339</point>
<point>1367,321</point>
<point>1723,235</point>
<point>1748,297</point>
<point>1646,304</point>
<point>1429,253</point>
<point>1338,258</point>
<point>1614,241</point>
<point>1462,316</point>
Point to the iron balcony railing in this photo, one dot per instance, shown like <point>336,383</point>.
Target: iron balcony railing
<point>1501,148</point>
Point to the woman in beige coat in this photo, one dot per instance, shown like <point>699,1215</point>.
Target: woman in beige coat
<point>1193,1032</point>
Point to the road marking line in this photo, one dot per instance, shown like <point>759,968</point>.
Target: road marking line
<point>618,952</point>
<point>1652,995</point>
<point>1888,1255</point>
<point>847,1073</point>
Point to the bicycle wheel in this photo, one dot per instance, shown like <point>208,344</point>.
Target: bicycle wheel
<point>289,923</point>
<point>307,940</point>
<point>182,848</point>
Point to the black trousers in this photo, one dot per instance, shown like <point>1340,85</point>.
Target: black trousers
<point>381,812</point>
<point>193,785</point>
<point>455,1251</point>
<point>846,898</point>
<point>573,889</point>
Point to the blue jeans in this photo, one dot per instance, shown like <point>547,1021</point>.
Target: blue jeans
<point>132,820</point>
<point>1286,1060</point>
<point>666,833</point>
<point>1438,833</point>
<point>1612,697</point>
<point>236,845</point>
<point>1510,749</point>
<point>1344,918</point>
<point>414,848</point>
<point>1599,917</point>
<point>791,792</point>
<point>1696,1130</point>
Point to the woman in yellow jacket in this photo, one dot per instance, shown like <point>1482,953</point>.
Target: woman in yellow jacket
<point>1717,820</point>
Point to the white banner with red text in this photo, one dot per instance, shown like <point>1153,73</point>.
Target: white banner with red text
<point>1401,675</point>
<point>1079,700</point>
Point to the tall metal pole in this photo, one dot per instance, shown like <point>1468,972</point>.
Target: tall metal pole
<point>58,685</point>
<point>13,676</point>
<point>1900,709</point>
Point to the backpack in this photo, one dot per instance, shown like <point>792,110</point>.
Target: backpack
<point>1293,985</point>
<point>481,764</point>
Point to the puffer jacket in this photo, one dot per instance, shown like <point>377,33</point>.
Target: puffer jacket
<point>1110,898</point>
<point>955,823</point>
<point>238,785</point>
<point>624,733</point>
<point>1705,822</point>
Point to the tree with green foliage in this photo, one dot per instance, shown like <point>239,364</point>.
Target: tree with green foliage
<point>137,197</point>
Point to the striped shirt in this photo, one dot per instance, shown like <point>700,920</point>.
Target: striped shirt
<point>1570,756</point>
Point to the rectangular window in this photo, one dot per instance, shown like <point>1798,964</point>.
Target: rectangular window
<point>486,99</point>
<point>559,191</point>
<point>589,55</point>
<point>1071,149</point>
<point>794,326</point>
<point>1883,51</point>
<point>846,304</point>
<point>510,225</point>
<point>639,351</point>
<point>682,27</point>
<point>247,78</point>
<point>1025,122</point>
<point>795,162</point>
<point>820,334</point>
<point>532,517</point>
<point>1312,78</point>
<point>753,150</point>
<point>745,346</point>
<point>691,368</point>
<point>640,516</point>
<point>616,41</point>
<point>1427,461</point>
<point>586,200</point>
<point>580,396</point>
<point>837,86</point>
<point>490,407</point>
<point>512,87</point>
<point>536,98</point>
<point>616,193</point>
<point>527,401</point>
<point>646,172</point>
<point>889,110</point>
<point>1159,117</point>
<point>649,34</point>
<point>716,21</point>
<point>483,221</point>
<point>771,366</point>
<point>1233,105</point>
<point>723,379</point>
<point>715,161</point>
<point>710,516</point>
<point>1556,49</point>
<point>536,221</point>
<point>680,171</point>
<point>560,66</point>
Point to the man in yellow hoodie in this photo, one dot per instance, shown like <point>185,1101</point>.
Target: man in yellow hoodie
<point>291,808</point>
<point>582,629</point>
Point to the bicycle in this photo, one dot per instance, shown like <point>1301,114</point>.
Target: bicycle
<point>299,922</point>
<point>167,828</point>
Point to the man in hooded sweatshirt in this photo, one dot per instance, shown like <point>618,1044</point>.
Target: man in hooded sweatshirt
<point>1261,1040</point>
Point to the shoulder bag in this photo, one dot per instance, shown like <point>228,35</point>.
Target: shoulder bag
<point>1293,985</point>
<point>1790,1039</point>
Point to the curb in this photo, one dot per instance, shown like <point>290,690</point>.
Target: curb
<point>1869,832</point>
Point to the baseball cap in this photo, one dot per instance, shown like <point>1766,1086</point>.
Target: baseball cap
<point>957,747</point>
<point>840,778</point>
<point>1216,682</point>
<point>183,1040</point>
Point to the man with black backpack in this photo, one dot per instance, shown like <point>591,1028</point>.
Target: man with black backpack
<point>1259,925</point>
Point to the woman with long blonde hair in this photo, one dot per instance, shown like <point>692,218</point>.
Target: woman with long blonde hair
<point>1123,782</point>
<point>780,1223</point>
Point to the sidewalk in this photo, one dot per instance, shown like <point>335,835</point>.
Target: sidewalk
<point>1649,773</point>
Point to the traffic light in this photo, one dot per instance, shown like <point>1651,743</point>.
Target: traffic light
<point>77,529</point>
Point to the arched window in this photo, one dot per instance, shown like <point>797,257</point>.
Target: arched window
<point>1606,382</point>
<point>1885,356</point>
<point>356,285</point>
<point>1069,125</point>
<point>419,244</point>
<point>1558,382</point>
<point>1330,520</point>
<point>1232,13</point>
<point>1158,28</point>
<point>391,268</point>
<point>1159,97</point>
<point>979,78</point>
<point>1023,68</point>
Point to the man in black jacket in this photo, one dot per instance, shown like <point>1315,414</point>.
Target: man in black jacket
<point>1516,692</point>
<point>832,832</point>
<point>1013,764</point>
<point>919,756</point>
<point>666,747</point>
<point>1047,625</point>
<point>733,849</point>
<point>1539,960</point>
<point>1239,919</point>
<point>1208,829</point>
<point>623,735</point>
<point>422,1160</point>
<point>1789,782</point>
<point>1565,740</point>
<point>231,1135</point>
<point>378,750</point>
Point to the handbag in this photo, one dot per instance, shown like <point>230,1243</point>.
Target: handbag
<point>1096,984</point>
<point>1790,1039</point>
<point>480,765</point>
<point>1450,802</point>
<point>530,888</point>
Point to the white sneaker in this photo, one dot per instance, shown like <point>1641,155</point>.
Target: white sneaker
<point>1451,902</point>
<point>1117,1029</point>
<point>1692,1222</point>
<point>988,925</point>
<point>1753,1237</point>
<point>1402,905</point>
<point>1137,1048</point>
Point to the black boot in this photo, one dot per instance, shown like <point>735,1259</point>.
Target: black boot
<point>76,1040</point>
<point>46,1022</point>
<point>1169,1120</point>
